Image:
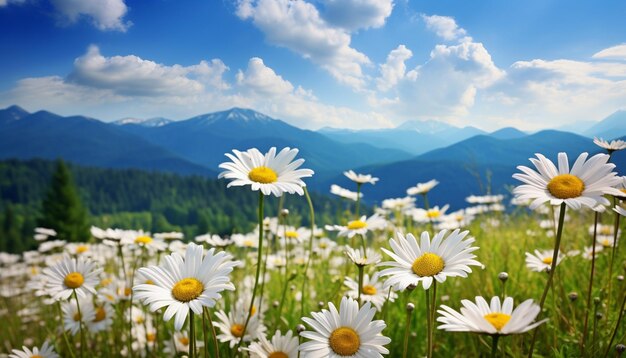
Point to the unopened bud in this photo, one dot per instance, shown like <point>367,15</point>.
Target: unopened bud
<point>300,328</point>
<point>321,304</point>
<point>620,348</point>
<point>410,287</point>
<point>410,307</point>
<point>573,296</point>
<point>599,315</point>
<point>275,304</point>
<point>284,212</point>
<point>503,276</point>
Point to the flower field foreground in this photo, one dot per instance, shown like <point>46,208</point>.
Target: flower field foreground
<point>541,274</point>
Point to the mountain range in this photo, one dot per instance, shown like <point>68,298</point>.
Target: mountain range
<point>465,160</point>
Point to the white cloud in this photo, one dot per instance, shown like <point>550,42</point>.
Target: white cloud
<point>298,26</point>
<point>394,69</point>
<point>444,26</point>
<point>105,14</point>
<point>261,79</point>
<point>357,14</point>
<point>614,53</point>
<point>133,76</point>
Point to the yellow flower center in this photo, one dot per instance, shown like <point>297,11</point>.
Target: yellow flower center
<point>497,320</point>
<point>547,260</point>
<point>606,230</point>
<point>291,234</point>
<point>433,214</point>
<point>105,282</point>
<point>236,330</point>
<point>263,175</point>
<point>323,245</point>
<point>187,289</point>
<point>428,264</point>
<point>566,186</point>
<point>81,248</point>
<point>248,243</point>
<point>101,314</point>
<point>150,337</point>
<point>184,341</point>
<point>149,282</point>
<point>357,224</point>
<point>606,243</point>
<point>76,317</point>
<point>278,355</point>
<point>369,290</point>
<point>74,280</point>
<point>344,341</point>
<point>127,291</point>
<point>36,356</point>
<point>143,240</point>
<point>253,310</point>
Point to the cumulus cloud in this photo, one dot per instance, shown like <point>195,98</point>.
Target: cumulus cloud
<point>357,14</point>
<point>261,79</point>
<point>105,14</point>
<point>394,69</point>
<point>614,53</point>
<point>298,26</point>
<point>444,26</point>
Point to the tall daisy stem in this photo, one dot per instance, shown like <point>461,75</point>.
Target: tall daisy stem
<point>258,270</point>
<point>428,324</point>
<point>615,229</point>
<point>430,309</point>
<point>360,283</point>
<point>205,336</point>
<point>192,335</point>
<point>309,251</point>
<point>494,346</point>
<point>555,255</point>
<point>207,313</point>
<point>67,341</point>
<point>617,325</point>
<point>80,325</point>
<point>407,331</point>
<point>590,288</point>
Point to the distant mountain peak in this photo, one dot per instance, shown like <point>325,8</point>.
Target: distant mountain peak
<point>150,122</point>
<point>428,126</point>
<point>234,114</point>
<point>13,113</point>
<point>507,133</point>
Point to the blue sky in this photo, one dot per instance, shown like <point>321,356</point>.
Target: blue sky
<point>342,63</point>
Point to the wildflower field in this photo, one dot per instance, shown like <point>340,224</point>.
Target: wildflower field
<point>539,273</point>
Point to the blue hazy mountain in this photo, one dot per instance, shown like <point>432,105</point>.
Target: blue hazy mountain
<point>610,127</point>
<point>415,137</point>
<point>474,165</point>
<point>83,140</point>
<point>204,139</point>
<point>150,122</point>
<point>507,133</point>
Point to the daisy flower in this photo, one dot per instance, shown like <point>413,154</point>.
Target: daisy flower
<point>184,283</point>
<point>71,275</point>
<point>493,318</point>
<point>422,188</point>
<point>360,226</point>
<point>271,173</point>
<point>345,193</point>
<point>445,256</point>
<point>362,258</point>
<point>611,146</point>
<point>213,240</point>
<point>541,260</point>
<point>103,318</point>
<point>231,326</point>
<point>72,319</point>
<point>46,351</point>
<point>585,184</point>
<point>433,214</point>
<point>349,332</point>
<point>401,204</point>
<point>279,347</point>
<point>373,290</point>
<point>605,240</point>
<point>360,178</point>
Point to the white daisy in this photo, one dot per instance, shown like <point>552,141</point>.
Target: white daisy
<point>271,173</point>
<point>46,351</point>
<point>445,256</point>
<point>186,283</point>
<point>360,178</point>
<point>612,146</point>
<point>494,318</point>
<point>422,188</point>
<point>433,214</point>
<point>72,319</point>
<point>606,240</point>
<point>214,240</point>
<point>69,275</point>
<point>588,251</point>
<point>232,325</point>
<point>279,347</point>
<point>373,290</point>
<point>542,260</point>
<point>250,240</point>
<point>585,184</point>
<point>363,258</point>
<point>103,318</point>
<point>349,332</point>
<point>360,226</point>
<point>401,204</point>
<point>345,193</point>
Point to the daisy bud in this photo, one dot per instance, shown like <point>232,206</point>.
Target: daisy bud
<point>284,212</point>
<point>620,278</point>
<point>410,307</point>
<point>573,296</point>
<point>292,287</point>
<point>503,276</point>
<point>596,300</point>
<point>410,287</point>
<point>321,304</point>
<point>620,348</point>
<point>275,304</point>
<point>300,328</point>
<point>599,315</point>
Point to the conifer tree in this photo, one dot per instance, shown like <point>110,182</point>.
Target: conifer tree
<point>62,209</point>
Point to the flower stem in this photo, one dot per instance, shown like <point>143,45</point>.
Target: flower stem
<point>205,336</point>
<point>610,278</point>
<point>428,325</point>
<point>80,325</point>
<point>309,252</point>
<point>207,313</point>
<point>590,288</point>
<point>192,335</point>
<point>555,255</point>
<point>407,330</point>
<point>617,325</point>
<point>67,341</point>
<point>258,270</point>
<point>494,345</point>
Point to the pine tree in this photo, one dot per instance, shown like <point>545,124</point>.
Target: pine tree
<point>62,209</point>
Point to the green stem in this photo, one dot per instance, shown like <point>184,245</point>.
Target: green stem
<point>610,278</point>
<point>428,325</point>
<point>433,309</point>
<point>407,330</point>
<point>192,335</point>
<point>80,324</point>
<point>67,341</point>
<point>207,313</point>
<point>309,252</point>
<point>205,336</point>
<point>258,270</point>
<point>494,345</point>
<point>590,288</point>
<point>617,325</point>
<point>555,255</point>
